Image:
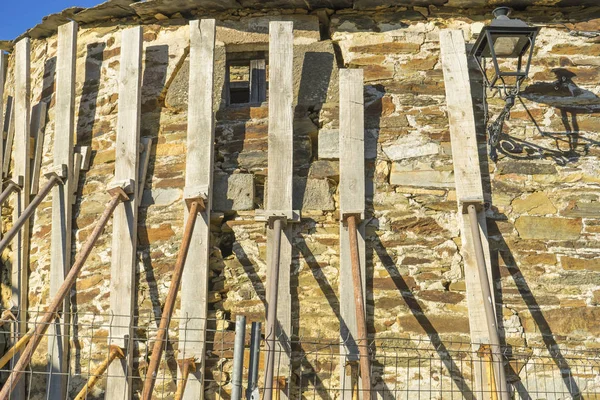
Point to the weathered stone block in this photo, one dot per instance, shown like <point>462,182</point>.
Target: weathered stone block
<point>312,194</point>
<point>423,177</point>
<point>409,147</point>
<point>233,192</point>
<point>525,168</point>
<point>321,169</point>
<point>548,228</point>
<point>536,203</point>
<point>329,144</point>
<point>571,263</point>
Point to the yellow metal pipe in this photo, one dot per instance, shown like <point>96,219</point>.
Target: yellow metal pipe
<point>16,348</point>
<point>115,352</point>
<point>187,365</point>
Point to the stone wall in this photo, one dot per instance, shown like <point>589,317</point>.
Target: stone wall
<point>543,194</point>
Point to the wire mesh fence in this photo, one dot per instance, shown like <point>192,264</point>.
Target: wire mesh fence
<point>315,368</point>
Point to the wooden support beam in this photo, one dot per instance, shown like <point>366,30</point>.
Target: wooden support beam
<point>20,244</point>
<point>352,202</point>
<point>124,260</point>
<point>279,192</point>
<point>468,186</point>
<point>60,248</point>
<point>198,178</point>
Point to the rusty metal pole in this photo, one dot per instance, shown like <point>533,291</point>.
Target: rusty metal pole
<point>28,212</point>
<point>195,207</point>
<point>488,304</point>
<point>187,366</point>
<point>51,313</point>
<point>271,326</point>
<point>361,321</point>
<point>11,187</point>
<point>114,353</point>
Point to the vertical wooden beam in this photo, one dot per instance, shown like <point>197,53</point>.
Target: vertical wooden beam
<point>20,244</point>
<point>468,182</point>
<point>198,180</point>
<point>279,184</point>
<point>60,248</point>
<point>352,201</point>
<point>123,263</point>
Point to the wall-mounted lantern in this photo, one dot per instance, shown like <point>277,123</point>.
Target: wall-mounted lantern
<point>504,39</point>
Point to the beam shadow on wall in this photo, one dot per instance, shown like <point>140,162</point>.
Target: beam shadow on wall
<point>501,250</point>
<point>156,63</point>
<point>374,246</point>
<point>571,101</point>
<point>84,131</point>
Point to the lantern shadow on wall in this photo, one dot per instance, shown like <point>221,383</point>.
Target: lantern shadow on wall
<point>571,101</point>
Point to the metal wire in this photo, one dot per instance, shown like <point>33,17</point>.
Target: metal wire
<point>312,368</point>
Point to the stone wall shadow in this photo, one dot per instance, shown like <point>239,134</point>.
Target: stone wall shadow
<point>156,63</point>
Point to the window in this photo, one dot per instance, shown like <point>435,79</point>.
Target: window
<point>246,78</point>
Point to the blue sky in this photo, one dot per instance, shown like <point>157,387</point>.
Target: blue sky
<point>20,15</point>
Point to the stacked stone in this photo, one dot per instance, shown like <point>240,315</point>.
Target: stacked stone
<point>543,198</point>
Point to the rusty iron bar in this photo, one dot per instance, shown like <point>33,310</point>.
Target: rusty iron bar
<point>271,326</point>
<point>11,187</point>
<point>54,307</point>
<point>488,304</point>
<point>28,212</point>
<point>114,353</point>
<point>187,366</point>
<point>195,207</point>
<point>359,305</point>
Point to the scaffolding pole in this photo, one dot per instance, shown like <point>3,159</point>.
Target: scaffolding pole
<point>12,186</point>
<point>359,305</point>
<point>118,195</point>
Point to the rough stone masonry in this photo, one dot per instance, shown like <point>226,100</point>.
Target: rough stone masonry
<point>543,194</point>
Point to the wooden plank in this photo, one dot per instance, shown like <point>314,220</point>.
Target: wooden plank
<point>279,184</point>
<point>20,244</point>
<point>38,125</point>
<point>60,248</point>
<point>352,201</point>
<point>123,263</point>
<point>10,135</point>
<point>198,174</point>
<point>468,178</point>
<point>258,81</point>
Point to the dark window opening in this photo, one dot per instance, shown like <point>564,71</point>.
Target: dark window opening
<point>246,78</point>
